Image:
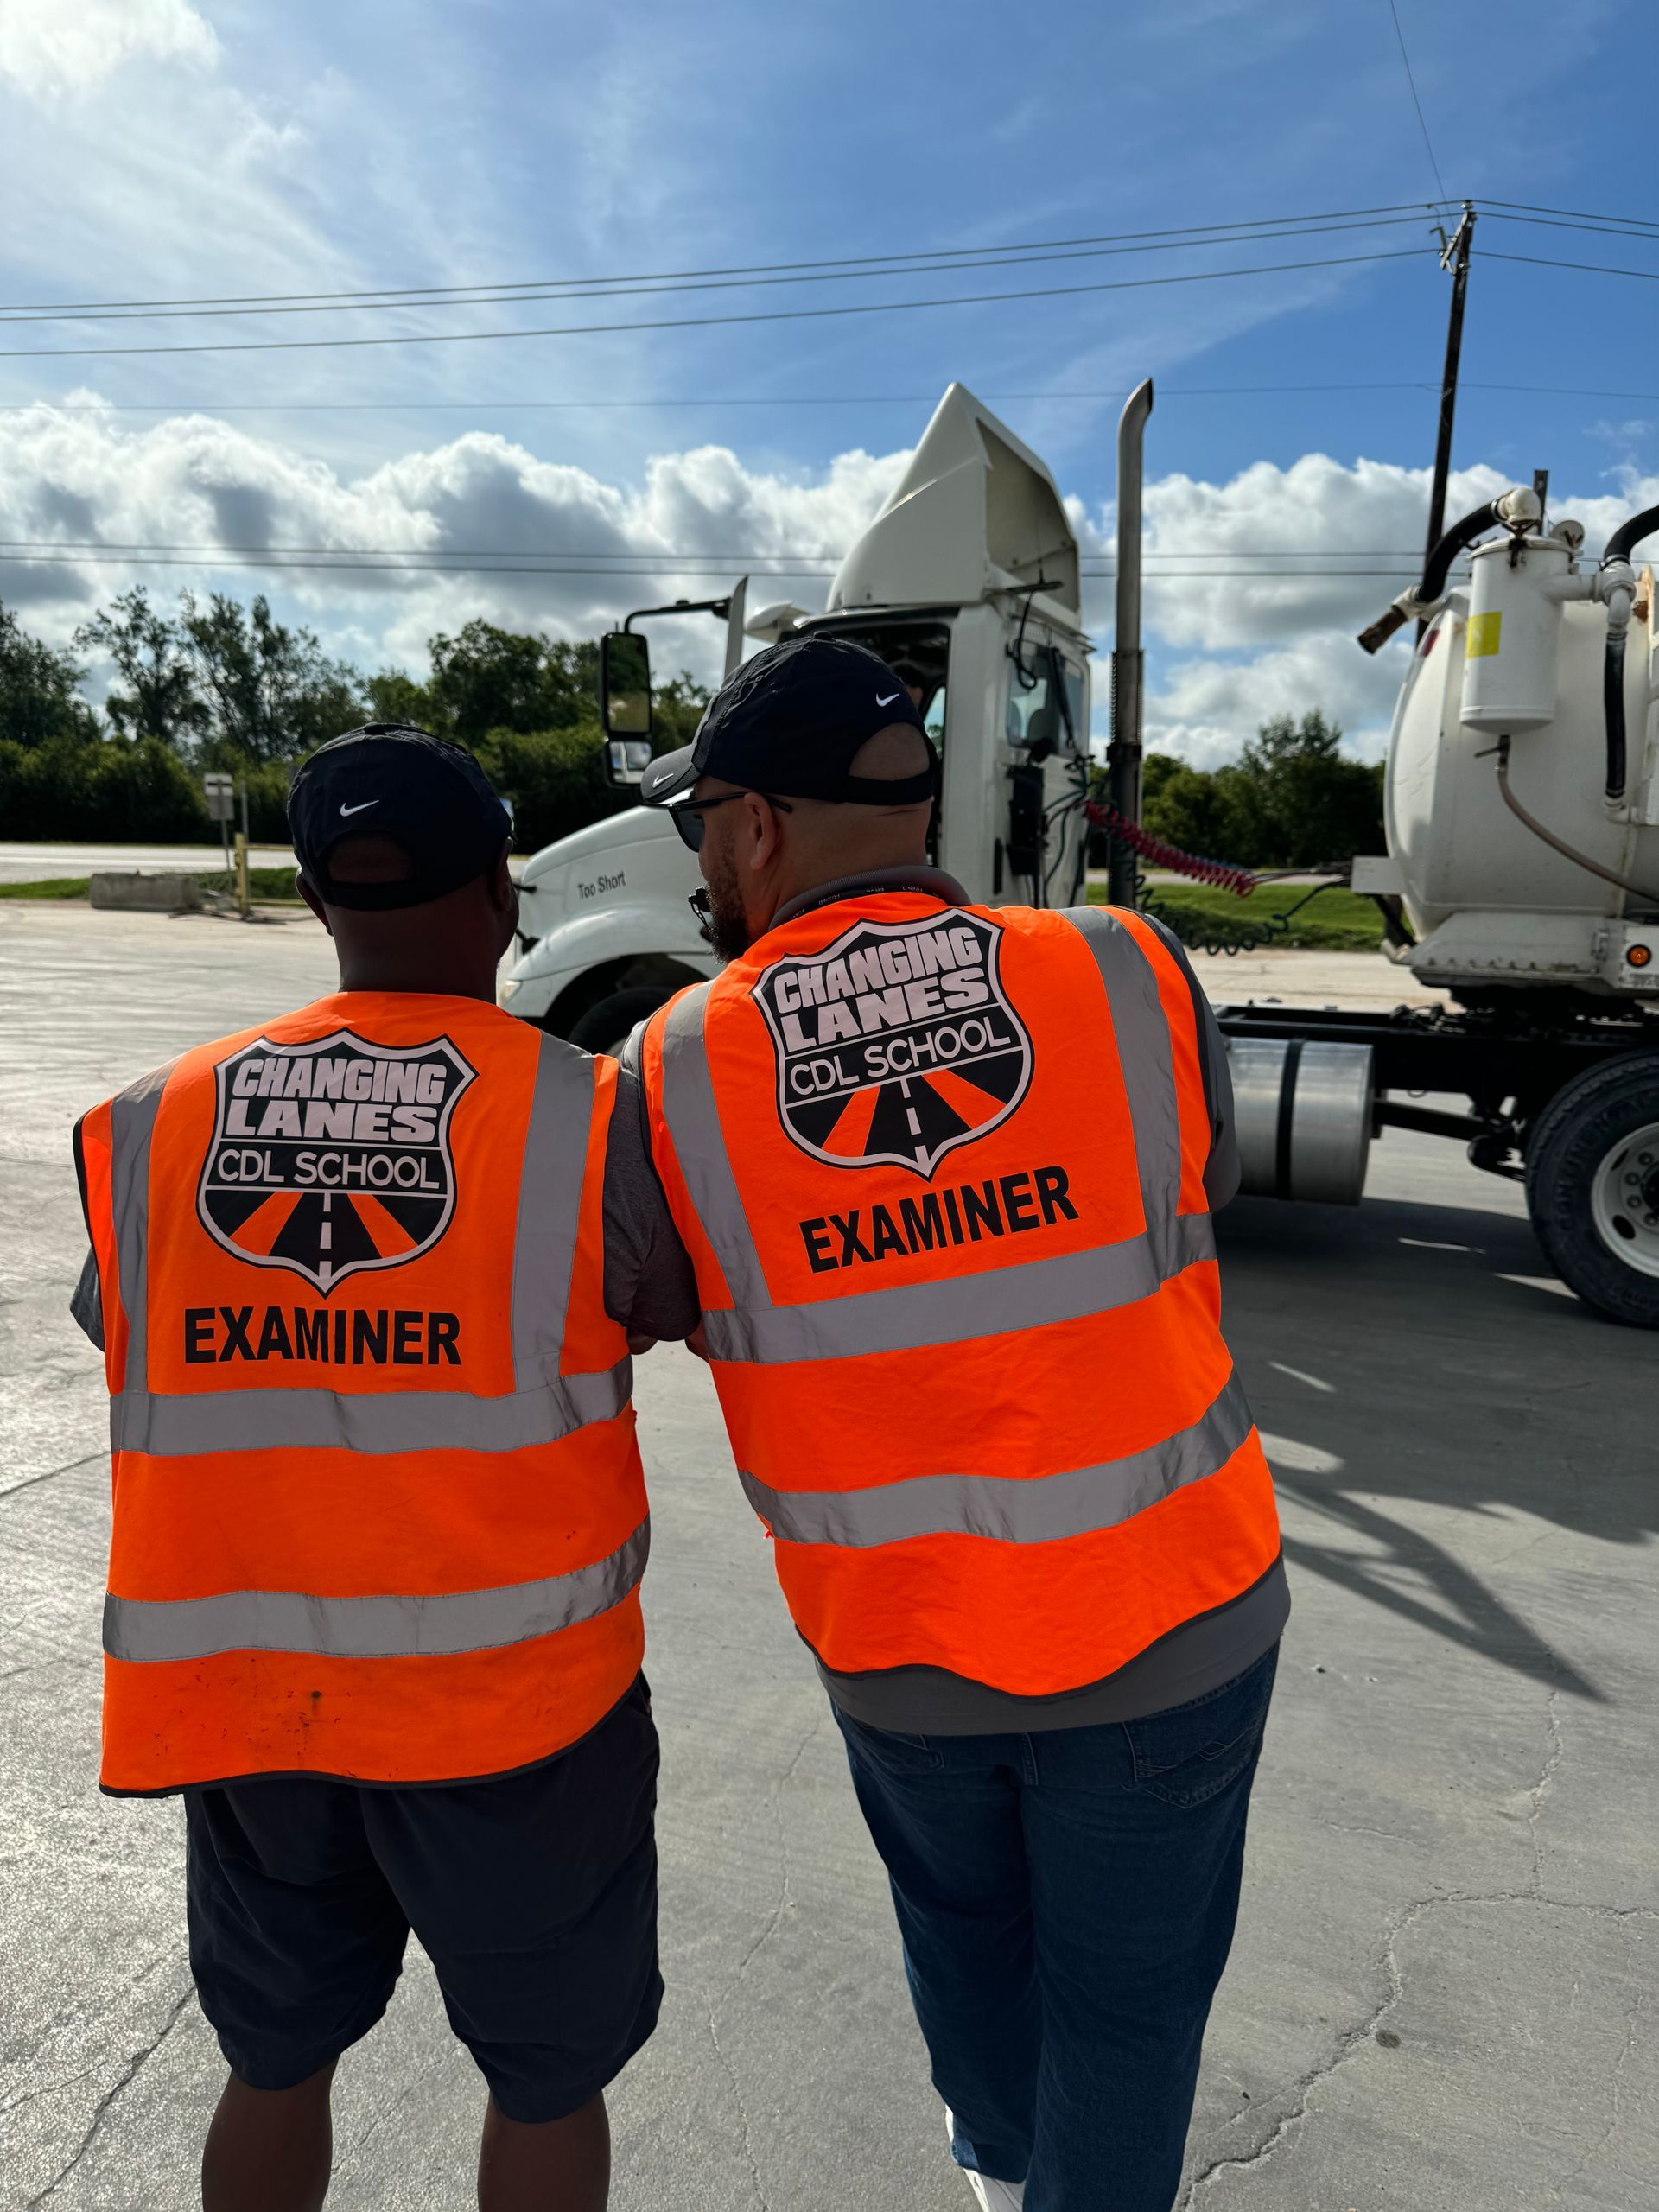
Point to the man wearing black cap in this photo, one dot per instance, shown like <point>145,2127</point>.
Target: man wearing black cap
<point>367,1280</point>
<point>946,1173</point>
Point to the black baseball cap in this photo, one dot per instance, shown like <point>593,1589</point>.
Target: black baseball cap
<point>393,780</point>
<point>790,720</point>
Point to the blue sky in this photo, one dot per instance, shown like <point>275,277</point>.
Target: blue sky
<point>180,149</point>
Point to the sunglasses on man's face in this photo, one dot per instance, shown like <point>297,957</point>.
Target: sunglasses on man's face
<point>687,816</point>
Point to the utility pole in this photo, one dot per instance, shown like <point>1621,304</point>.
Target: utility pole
<point>1455,257</point>
<point>1123,753</point>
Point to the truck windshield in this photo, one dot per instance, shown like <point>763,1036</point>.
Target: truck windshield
<point>918,654</point>
<point>1045,700</point>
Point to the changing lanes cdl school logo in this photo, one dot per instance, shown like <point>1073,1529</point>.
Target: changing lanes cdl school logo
<point>896,1044</point>
<point>332,1157</point>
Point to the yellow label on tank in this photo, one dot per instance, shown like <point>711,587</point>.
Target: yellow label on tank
<point>1485,631</point>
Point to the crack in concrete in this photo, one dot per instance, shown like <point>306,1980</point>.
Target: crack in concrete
<point>1346,2043</point>
<point>785,1898</point>
<point>1616,2089</point>
<point>91,1458</point>
<point>1541,1788</point>
<point>774,1920</point>
<point>1351,2039</point>
<point>744,2121</point>
<point>435,2063</point>
<point>139,2059</point>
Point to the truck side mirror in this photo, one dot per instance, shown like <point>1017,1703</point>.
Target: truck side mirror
<point>625,705</point>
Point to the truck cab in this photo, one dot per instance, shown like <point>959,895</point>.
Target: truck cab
<point>968,584</point>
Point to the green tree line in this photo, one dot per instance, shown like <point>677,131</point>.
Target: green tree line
<point>216,685</point>
<point>1294,799</point>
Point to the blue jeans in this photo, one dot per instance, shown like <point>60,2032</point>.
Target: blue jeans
<point>1067,1902</point>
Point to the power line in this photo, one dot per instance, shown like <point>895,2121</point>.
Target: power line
<point>707,322</point>
<point>563,406</point>
<point>819,399</point>
<point>1590,268</point>
<point>646,553</point>
<point>1587,215</point>
<point>1613,228</point>
<point>920,267</point>
<point>406,294</point>
<point>664,567</point>
<point>1428,143</point>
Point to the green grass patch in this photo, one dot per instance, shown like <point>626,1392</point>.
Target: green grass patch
<point>267,886</point>
<point>51,886</point>
<point>1336,921</point>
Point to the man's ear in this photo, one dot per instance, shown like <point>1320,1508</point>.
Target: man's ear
<point>313,901</point>
<point>504,891</point>
<point>765,831</point>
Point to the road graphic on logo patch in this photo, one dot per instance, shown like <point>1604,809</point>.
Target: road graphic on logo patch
<point>332,1157</point>
<point>896,1044</point>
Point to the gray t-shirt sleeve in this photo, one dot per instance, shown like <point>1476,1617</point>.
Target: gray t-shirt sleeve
<point>1222,1170</point>
<point>86,1306</point>
<point>650,1286</point>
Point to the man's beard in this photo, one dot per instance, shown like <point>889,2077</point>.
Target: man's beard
<point>720,917</point>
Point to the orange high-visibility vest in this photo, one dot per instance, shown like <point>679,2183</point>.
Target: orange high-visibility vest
<point>940,1170</point>
<point>379,1510</point>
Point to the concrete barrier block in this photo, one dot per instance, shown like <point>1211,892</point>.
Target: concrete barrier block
<point>135,894</point>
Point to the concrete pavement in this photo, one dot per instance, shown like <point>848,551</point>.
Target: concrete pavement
<point>1438,1997</point>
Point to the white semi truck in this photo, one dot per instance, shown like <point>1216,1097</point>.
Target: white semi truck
<point>1522,816</point>
<point>967,583</point>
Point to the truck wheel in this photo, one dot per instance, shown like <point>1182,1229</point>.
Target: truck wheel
<point>1593,1188</point>
<point>607,1027</point>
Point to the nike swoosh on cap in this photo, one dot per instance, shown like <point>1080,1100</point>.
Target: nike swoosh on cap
<point>361,806</point>
<point>888,701</point>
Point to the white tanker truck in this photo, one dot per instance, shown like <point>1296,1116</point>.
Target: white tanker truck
<point>1521,817</point>
<point>1522,812</point>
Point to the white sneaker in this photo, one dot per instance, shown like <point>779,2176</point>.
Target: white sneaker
<point>992,2196</point>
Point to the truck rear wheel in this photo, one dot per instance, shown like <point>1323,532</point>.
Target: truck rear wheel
<point>607,1027</point>
<point>1593,1188</point>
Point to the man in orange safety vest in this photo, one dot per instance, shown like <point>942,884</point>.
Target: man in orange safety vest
<point>364,1278</point>
<point>946,1175</point>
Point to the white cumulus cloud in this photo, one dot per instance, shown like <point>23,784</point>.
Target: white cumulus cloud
<point>51,47</point>
<point>198,484</point>
<point>1224,652</point>
<point>1265,647</point>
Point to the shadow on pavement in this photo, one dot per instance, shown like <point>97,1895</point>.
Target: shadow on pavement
<point>1422,1353</point>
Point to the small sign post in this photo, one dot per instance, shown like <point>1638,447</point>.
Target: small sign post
<point>220,791</point>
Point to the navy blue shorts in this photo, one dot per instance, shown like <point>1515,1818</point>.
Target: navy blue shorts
<point>534,1896</point>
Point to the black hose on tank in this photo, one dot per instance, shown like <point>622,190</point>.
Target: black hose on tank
<point>1613,712</point>
<point>1438,566</point>
<point>1629,535</point>
<point>1620,546</point>
<point>1436,569</point>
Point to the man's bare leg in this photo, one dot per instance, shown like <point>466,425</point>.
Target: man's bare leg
<point>270,2149</point>
<point>562,2165</point>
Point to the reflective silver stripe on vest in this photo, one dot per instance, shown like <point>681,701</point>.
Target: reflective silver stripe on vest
<point>549,1208</point>
<point>957,1307</point>
<point>363,1421</point>
<point>150,1629</point>
<point>1041,1510</point>
<point>132,1124</point>
<point>546,1406</point>
<point>1141,1029</point>
<point>699,1145</point>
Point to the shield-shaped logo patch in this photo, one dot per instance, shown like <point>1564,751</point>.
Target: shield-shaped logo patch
<point>896,1044</point>
<point>331,1157</point>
